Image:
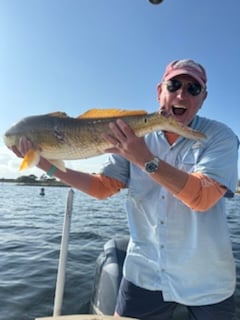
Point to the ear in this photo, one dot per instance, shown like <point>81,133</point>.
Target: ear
<point>159,90</point>
<point>205,95</point>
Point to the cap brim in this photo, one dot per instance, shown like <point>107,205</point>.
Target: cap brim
<point>179,72</point>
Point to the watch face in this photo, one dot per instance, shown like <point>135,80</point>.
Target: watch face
<point>151,167</point>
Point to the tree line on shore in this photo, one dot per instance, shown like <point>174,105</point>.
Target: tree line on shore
<point>34,180</point>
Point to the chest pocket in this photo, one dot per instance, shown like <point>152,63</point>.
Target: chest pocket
<point>187,158</point>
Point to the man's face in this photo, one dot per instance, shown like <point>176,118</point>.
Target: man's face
<point>180,103</point>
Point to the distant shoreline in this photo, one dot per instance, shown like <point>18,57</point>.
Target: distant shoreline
<point>51,183</point>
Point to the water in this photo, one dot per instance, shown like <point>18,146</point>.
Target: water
<point>31,229</point>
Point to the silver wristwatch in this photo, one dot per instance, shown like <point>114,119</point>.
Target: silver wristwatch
<point>152,165</point>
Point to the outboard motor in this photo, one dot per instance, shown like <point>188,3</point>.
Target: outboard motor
<point>108,276</point>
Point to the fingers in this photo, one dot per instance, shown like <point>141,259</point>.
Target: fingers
<point>125,128</point>
<point>121,138</point>
<point>16,151</point>
<point>125,143</point>
<point>110,139</point>
<point>121,131</point>
<point>23,147</point>
<point>118,131</point>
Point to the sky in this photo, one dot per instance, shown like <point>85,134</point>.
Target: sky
<point>74,55</point>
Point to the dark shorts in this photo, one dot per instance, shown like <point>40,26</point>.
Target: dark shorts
<point>144,304</point>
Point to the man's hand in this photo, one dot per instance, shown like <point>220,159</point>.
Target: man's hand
<point>127,144</point>
<point>23,147</point>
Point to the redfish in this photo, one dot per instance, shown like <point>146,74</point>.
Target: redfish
<point>58,137</point>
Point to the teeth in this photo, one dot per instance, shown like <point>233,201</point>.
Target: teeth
<point>178,110</point>
<point>179,107</point>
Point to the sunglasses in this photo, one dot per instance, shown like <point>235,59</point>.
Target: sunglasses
<point>193,88</point>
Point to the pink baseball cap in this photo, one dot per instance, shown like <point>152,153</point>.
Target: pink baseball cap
<point>186,66</point>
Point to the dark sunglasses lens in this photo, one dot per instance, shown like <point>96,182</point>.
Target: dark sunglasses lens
<point>173,85</point>
<point>194,89</point>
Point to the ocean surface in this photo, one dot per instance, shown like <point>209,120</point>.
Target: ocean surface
<point>31,230</point>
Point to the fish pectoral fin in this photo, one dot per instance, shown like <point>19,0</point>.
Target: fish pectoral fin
<point>58,164</point>
<point>30,159</point>
<point>110,113</point>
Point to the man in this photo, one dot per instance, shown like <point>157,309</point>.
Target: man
<point>179,249</point>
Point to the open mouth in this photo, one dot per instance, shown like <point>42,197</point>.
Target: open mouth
<point>178,110</point>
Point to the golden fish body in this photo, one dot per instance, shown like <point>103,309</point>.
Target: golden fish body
<point>59,137</point>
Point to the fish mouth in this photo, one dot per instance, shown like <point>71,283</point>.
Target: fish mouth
<point>178,110</point>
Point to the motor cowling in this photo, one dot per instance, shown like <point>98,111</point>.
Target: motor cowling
<point>108,276</point>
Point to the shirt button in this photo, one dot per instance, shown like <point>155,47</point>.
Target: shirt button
<point>162,246</point>
<point>162,197</point>
<point>163,270</point>
<point>162,222</point>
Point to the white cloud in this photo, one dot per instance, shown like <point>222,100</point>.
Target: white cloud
<point>9,165</point>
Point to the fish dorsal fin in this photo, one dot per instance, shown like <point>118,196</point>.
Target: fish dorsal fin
<point>58,114</point>
<point>110,113</point>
